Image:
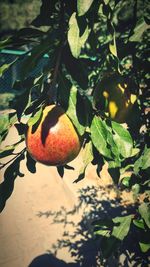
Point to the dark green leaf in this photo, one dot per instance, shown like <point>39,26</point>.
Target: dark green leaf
<point>36,54</point>
<point>76,42</point>
<point>60,170</point>
<point>6,151</point>
<point>64,88</point>
<point>122,139</point>
<point>87,157</point>
<point>83,6</point>
<point>22,101</point>
<point>7,186</point>
<point>72,112</point>
<point>31,163</point>
<point>144,210</point>
<point>99,136</point>
<point>21,128</point>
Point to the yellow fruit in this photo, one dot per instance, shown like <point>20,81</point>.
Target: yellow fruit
<point>112,97</point>
<point>55,141</point>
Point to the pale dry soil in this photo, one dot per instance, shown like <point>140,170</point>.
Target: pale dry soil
<point>47,213</point>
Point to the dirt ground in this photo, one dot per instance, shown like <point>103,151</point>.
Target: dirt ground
<point>49,214</point>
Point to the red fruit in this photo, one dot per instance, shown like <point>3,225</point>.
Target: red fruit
<point>55,141</point>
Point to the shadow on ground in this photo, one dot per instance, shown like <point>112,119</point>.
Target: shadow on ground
<point>78,236</point>
<point>49,260</point>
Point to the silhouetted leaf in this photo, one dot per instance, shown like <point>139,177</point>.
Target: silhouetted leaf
<point>99,136</point>
<point>22,101</point>
<point>60,170</point>
<point>6,151</point>
<point>64,88</point>
<point>83,6</point>
<point>7,186</point>
<point>21,128</point>
<point>76,42</point>
<point>30,163</point>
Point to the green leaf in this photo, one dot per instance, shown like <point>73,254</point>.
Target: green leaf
<point>144,247</point>
<point>36,117</point>
<point>139,223</point>
<point>6,151</point>
<point>140,28</point>
<point>72,111</point>
<point>6,121</point>
<point>113,46</point>
<point>122,139</point>
<point>126,181</point>
<point>83,6</point>
<point>87,157</point>
<point>143,162</point>
<point>122,227</point>
<point>99,136</point>
<point>5,67</point>
<point>76,42</point>
<point>144,210</point>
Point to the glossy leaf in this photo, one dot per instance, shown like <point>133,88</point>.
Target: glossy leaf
<point>72,112</point>
<point>83,6</point>
<point>36,117</point>
<point>113,46</point>
<point>122,139</point>
<point>87,157</point>
<point>5,67</point>
<point>140,28</point>
<point>99,136</point>
<point>122,226</point>
<point>143,162</point>
<point>139,223</point>
<point>144,247</point>
<point>76,42</point>
<point>144,210</point>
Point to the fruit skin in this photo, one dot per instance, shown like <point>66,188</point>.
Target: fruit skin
<point>112,96</point>
<point>55,141</point>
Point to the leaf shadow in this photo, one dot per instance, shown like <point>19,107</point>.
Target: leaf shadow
<point>81,242</point>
